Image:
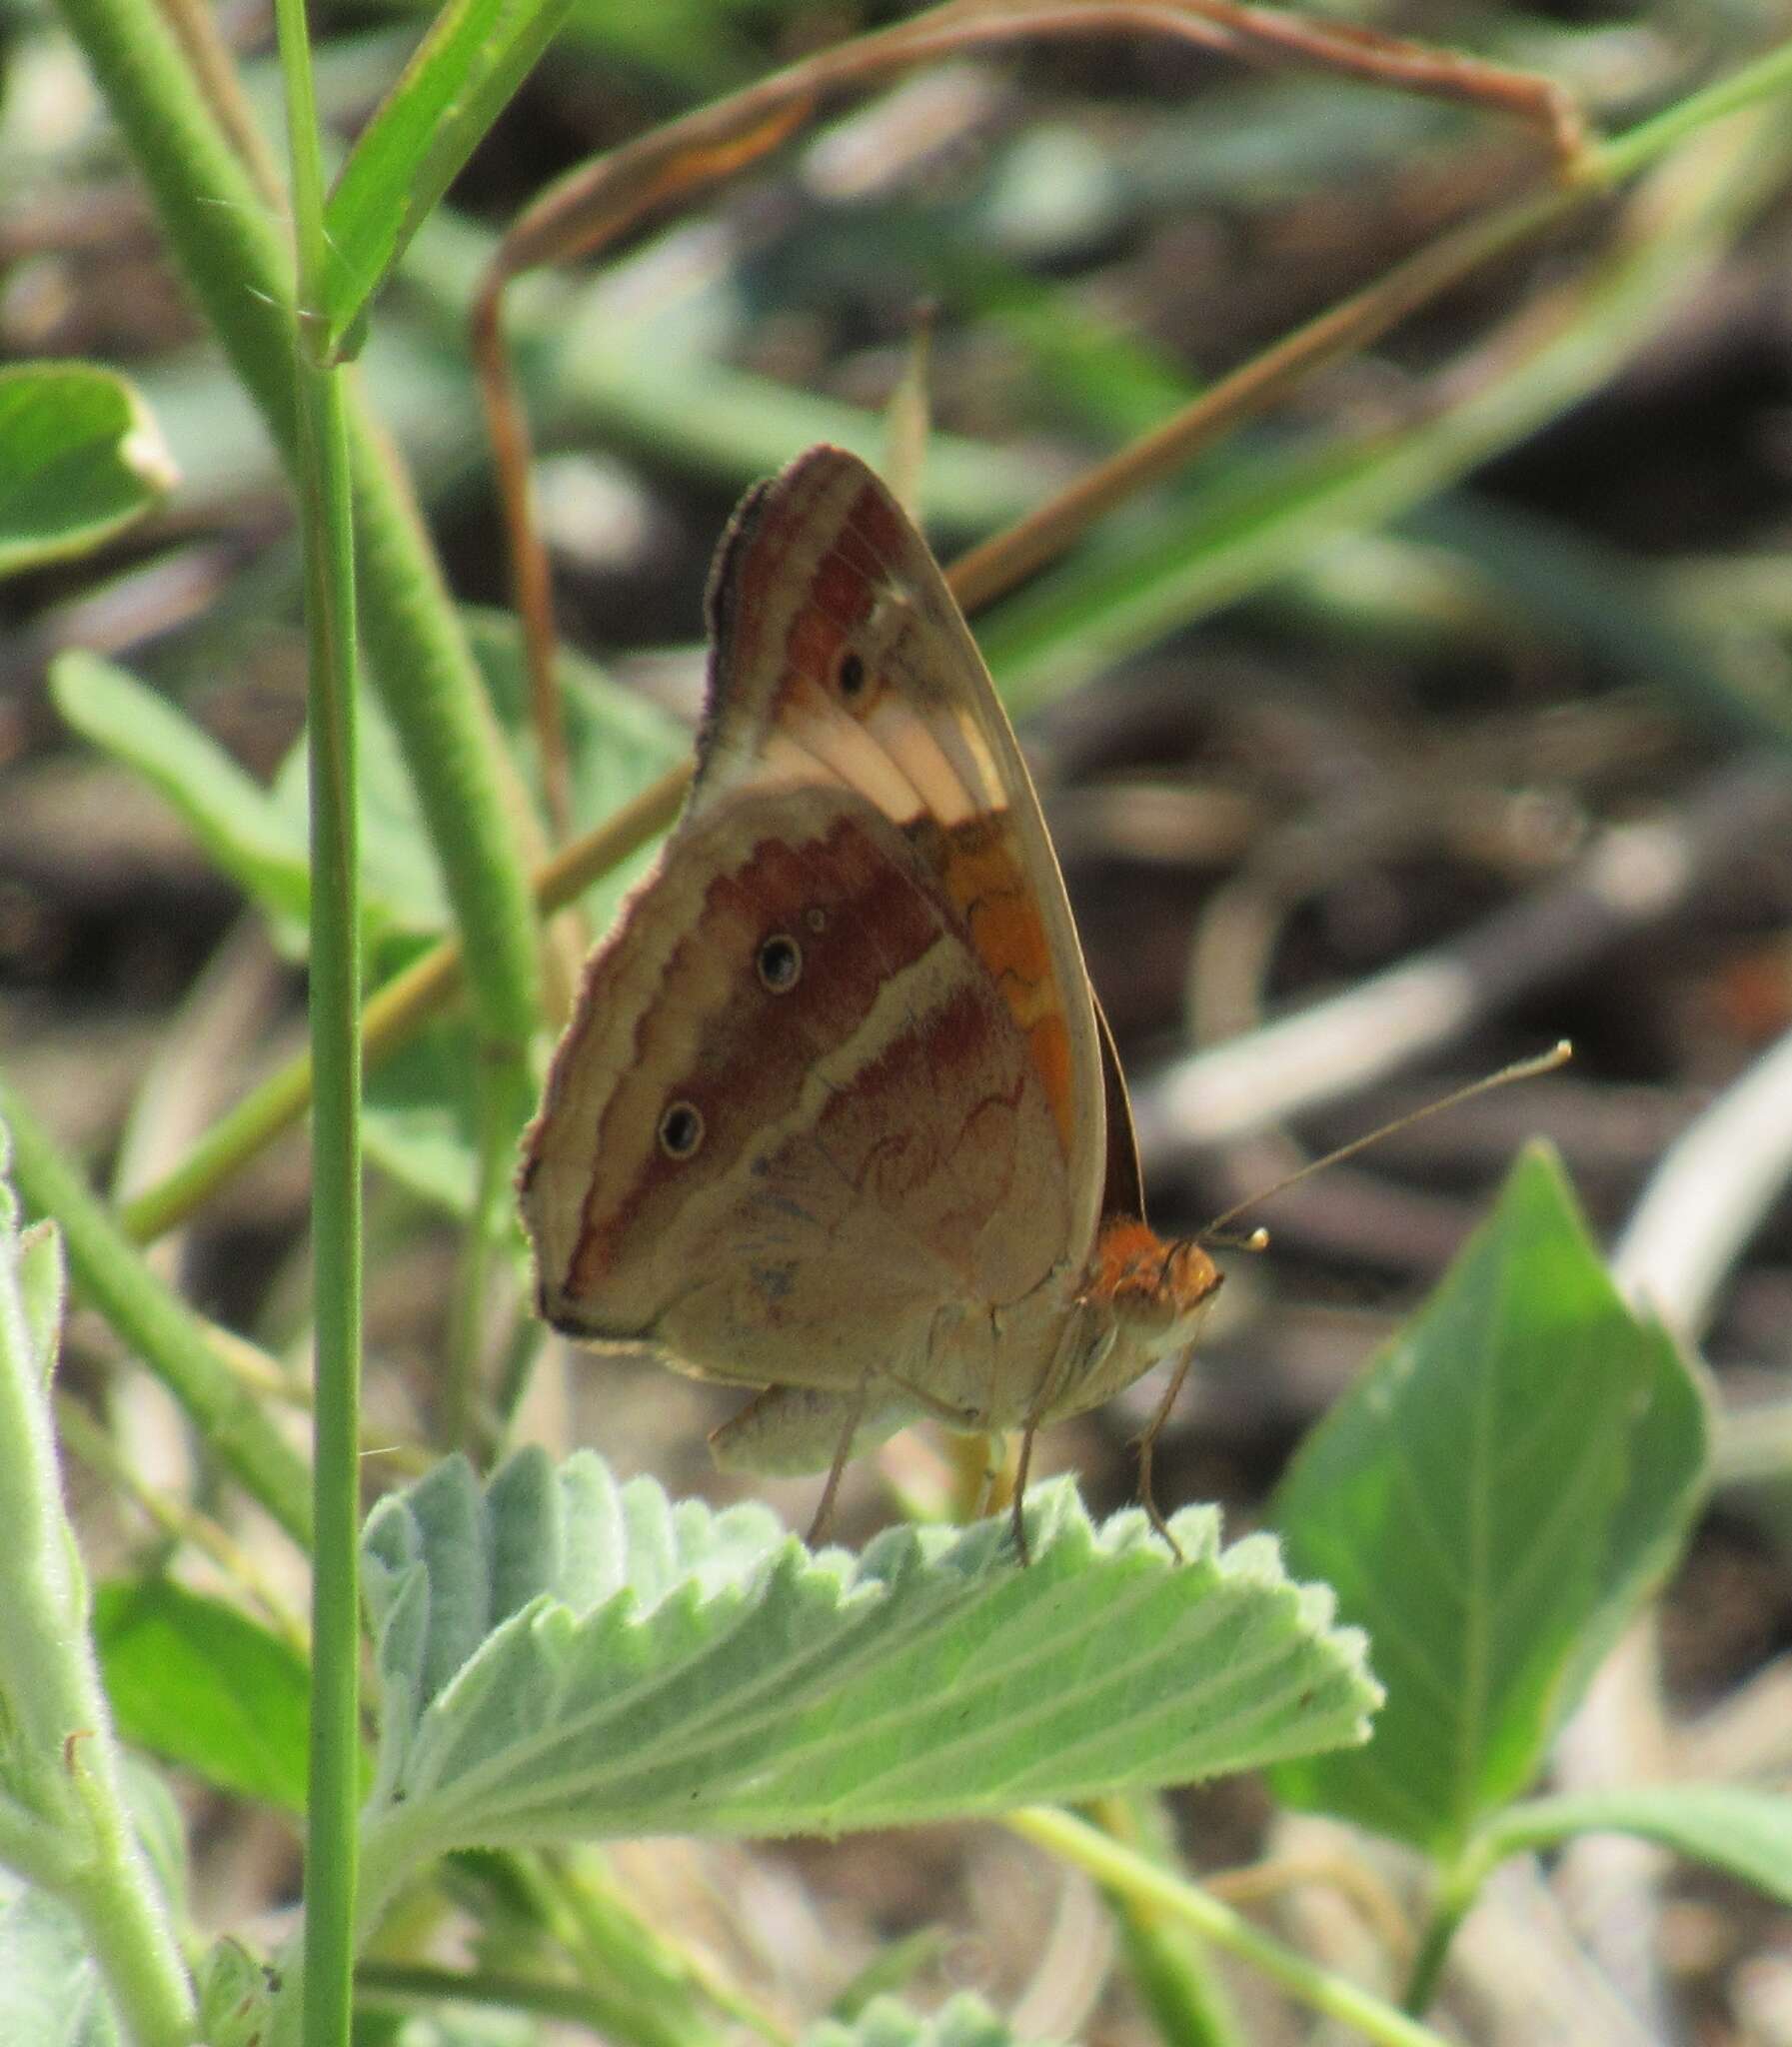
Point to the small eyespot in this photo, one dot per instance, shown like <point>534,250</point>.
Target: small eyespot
<point>817,919</point>
<point>680,1129</point>
<point>781,963</point>
<point>851,673</point>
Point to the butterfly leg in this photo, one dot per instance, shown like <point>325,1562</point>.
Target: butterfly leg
<point>1076,1346</point>
<point>1029,1432</point>
<point>824,1509</point>
<point>1147,1444</point>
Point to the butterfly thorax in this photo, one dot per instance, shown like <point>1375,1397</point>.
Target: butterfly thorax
<point>1150,1296</point>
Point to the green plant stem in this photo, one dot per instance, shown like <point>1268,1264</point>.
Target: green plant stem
<point>1457,1888</point>
<point>412,1983</point>
<point>1766,78</point>
<point>655,1995</point>
<point>326,519</point>
<point>67,1823</point>
<point>240,270</point>
<point>1169,1964</point>
<point>110,1272</point>
<point>1122,1869</point>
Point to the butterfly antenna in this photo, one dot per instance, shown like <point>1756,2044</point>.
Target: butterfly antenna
<point>1522,1070</point>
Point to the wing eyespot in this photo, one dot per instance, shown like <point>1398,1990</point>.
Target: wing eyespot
<point>680,1129</point>
<point>779,963</point>
<point>817,919</point>
<point>850,677</point>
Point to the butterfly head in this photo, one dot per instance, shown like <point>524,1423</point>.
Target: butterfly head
<point>1150,1283</point>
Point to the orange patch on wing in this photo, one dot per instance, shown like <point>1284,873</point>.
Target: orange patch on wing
<point>980,867</point>
<point>1009,936</point>
<point>1050,1043</point>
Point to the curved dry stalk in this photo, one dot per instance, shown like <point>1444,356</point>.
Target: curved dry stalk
<point>589,208</point>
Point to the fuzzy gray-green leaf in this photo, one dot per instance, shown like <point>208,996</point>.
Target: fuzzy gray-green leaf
<point>564,1657</point>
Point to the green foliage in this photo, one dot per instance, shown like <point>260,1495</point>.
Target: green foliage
<point>51,1993</point>
<point>476,54</point>
<point>198,1682</point>
<point>616,745</point>
<point>964,2022</point>
<point>1491,1503</point>
<point>234,1996</point>
<point>91,1906</point>
<point>563,1657</point>
<point>1744,1832</point>
<point>422,1102</point>
<point>80,458</point>
<point>242,830</point>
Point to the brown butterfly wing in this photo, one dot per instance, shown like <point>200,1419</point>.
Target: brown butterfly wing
<point>840,661</point>
<point>875,1154</point>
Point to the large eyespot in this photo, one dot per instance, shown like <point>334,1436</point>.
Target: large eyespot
<point>780,963</point>
<point>680,1129</point>
<point>850,675</point>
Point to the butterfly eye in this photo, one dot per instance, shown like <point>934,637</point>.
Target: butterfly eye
<point>851,673</point>
<point>781,964</point>
<point>680,1129</point>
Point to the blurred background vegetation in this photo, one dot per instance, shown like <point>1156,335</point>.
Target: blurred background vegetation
<point>1476,652</point>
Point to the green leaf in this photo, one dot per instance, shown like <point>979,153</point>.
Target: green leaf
<point>474,57</point>
<point>418,1116</point>
<point>964,2021</point>
<point>618,743</point>
<point>235,1996</point>
<point>1491,1503</point>
<point>50,1989</point>
<point>80,456</point>
<point>1745,1834</point>
<point>240,825</point>
<point>563,1657</point>
<point>260,837</point>
<point>200,1683</point>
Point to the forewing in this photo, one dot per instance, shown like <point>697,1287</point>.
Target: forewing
<point>840,661</point>
<point>877,1147</point>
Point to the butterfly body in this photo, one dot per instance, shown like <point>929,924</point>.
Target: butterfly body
<point>837,1117</point>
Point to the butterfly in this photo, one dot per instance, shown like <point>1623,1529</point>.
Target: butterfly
<point>838,1116</point>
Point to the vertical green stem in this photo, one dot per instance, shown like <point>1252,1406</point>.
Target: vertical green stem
<point>1172,1969</point>
<point>233,258</point>
<point>1457,1888</point>
<point>326,527</point>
